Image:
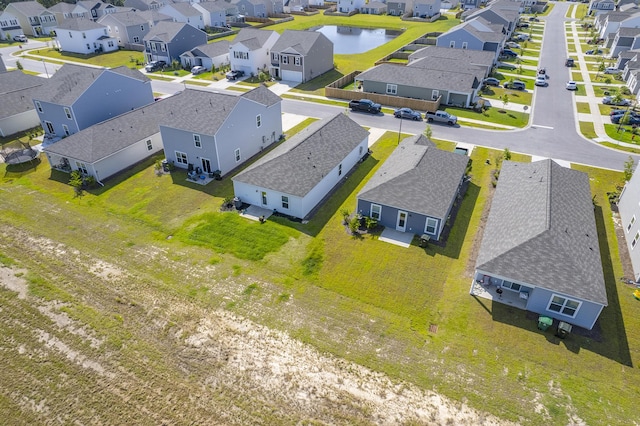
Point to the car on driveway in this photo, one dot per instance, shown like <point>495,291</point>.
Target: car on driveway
<point>610,100</point>
<point>633,119</point>
<point>407,113</point>
<point>234,75</point>
<point>515,85</point>
<point>198,70</point>
<point>154,66</point>
<point>520,36</point>
<point>490,81</point>
<point>522,25</point>
<point>512,45</point>
<point>593,52</point>
<point>509,52</point>
<point>534,19</point>
<point>21,38</point>
<point>571,85</point>
<point>612,70</point>
<point>541,80</point>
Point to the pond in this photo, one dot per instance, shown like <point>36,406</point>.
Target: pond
<point>350,40</point>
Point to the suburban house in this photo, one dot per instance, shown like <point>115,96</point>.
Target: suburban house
<point>84,36</point>
<point>431,57</point>
<point>33,18</point>
<point>374,8</point>
<point>256,8</point>
<point>208,55</point>
<point>415,189</point>
<point>218,132</point>
<point>77,97</point>
<point>9,26</point>
<point>625,39</point>
<point>399,7</point>
<point>167,40</point>
<point>249,50</point>
<point>298,174</point>
<point>109,147</point>
<point>629,210</point>
<point>144,4</point>
<point>184,12</point>
<point>471,4</point>
<point>213,13</point>
<point>97,9</point>
<point>541,243</point>
<point>127,27</point>
<point>301,56</point>
<point>295,5</point>
<point>17,112</point>
<point>498,16</point>
<point>611,22</point>
<point>598,7</point>
<point>426,8</point>
<point>348,6</point>
<point>64,11</point>
<point>476,34</point>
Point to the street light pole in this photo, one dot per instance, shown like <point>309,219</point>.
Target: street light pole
<point>45,68</point>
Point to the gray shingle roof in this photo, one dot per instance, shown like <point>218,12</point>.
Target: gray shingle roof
<point>417,177</point>
<point>211,50</point>
<point>165,31</point>
<point>185,9</point>
<point>628,32</point>
<point>108,137</point>
<point>29,8</point>
<point>468,56</point>
<point>17,90</point>
<point>70,81</point>
<point>300,41</point>
<point>62,7</point>
<point>417,77</point>
<point>252,38</point>
<point>204,112</point>
<point>127,18</point>
<point>211,6</point>
<point>154,16</point>
<point>451,65</point>
<point>297,165</point>
<point>79,24</point>
<point>541,230</point>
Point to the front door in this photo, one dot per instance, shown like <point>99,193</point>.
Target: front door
<point>401,225</point>
<point>206,165</point>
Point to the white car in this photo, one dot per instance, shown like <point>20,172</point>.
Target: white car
<point>21,38</point>
<point>612,70</point>
<point>512,45</point>
<point>571,85</point>
<point>198,70</point>
<point>541,80</point>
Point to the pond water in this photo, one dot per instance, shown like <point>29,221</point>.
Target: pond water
<point>349,40</point>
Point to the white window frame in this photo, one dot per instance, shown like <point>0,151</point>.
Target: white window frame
<point>392,89</point>
<point>375,210</point>
<point>258,120</point>
<point>149,145</point>
<point>452,44</point>
<point>562,306</point>
<point>197,141</point>
<point>163,47</point>
<point>38,106</point>
<point>65,128</point>
<point>635,240</point>
<point>297,60</point>
<point>67,112</point>
<point>631,222</point>
<point>464,44</point>
<point>285,202</point>
<point>435,94</point>
<point>435,226</point>
<point>340,169</point>
<point>49,126</point>
<point>237,155</point>
<point>82,168</point>
<point>142,27</point>
<point>181,158</point>
<point>136,39</point>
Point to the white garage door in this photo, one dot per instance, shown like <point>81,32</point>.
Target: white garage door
<point>292,76</point>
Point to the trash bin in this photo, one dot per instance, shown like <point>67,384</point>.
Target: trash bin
<point>165,165</point>
<point>564,328</point>
<point>544,322</point>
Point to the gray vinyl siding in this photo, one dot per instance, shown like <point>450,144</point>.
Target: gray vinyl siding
<point>18,122</point>
<point>491,47</point>
<point>56,115</point>
<point>183,141</point>
<point>587,314</point>
<point>416,222</point>
<point>459,37</point>
<point>127,157</point>
<point>403,91</point>
<point>136,31</point>
<point>186,40</point>
<point>317,62</point>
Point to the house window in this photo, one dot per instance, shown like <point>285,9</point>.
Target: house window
<point>274,56</point>
<point>285,202</point>
<point>196,141</point>
<point>66,130</point>
<point>431,226</point>
<point>136,39</point>
<point>117,29</point>
<point>392,89</point>
<point>435,94</point>
<point>39,106</point>
<point>163,47</point>
<point>264,198</point>
<point>285,59</point>
<point>258,120</point>
<point>511,286</point>
<point>452,44</point>
<point>464,44</point>
<point>237,155</point>
<point>141,27</point>
<point>635,240</point>
<point>633,220</point>
<point>67,112</point>
<point>88,46</point>
<point>297,60</point>
<point>110,43</point>
<point>154,47</point>
<point>84,35</point>
<point>340,169</point>
<point>376,211</point>
<point>49,127</point>
<point>564,305</point>
<point>360,150</point>
<point>82,168</point>
<point>149,145</point>
<point>181,158</point>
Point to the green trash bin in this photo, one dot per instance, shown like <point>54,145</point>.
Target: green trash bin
<point>544,323</point>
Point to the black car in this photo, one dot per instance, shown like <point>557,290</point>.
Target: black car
<point>534,19</point>
<point>154,66</point>
<point>491,81</point>
<point>509,52</point>
<point>593,52</point>
<point>633,119</point>
<point>407,113</point>
<point>233,75</point>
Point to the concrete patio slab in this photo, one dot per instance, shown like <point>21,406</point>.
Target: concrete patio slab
<point>255,212</point>
<point>398,238</point>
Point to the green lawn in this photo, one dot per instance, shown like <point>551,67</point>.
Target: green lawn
<point>110,60</point>
<point>583,107</point>
<point>492,115</point>
<point>587,130</point>
<point>516,96</point>
<point>576,76</point>
<point>622,133</point>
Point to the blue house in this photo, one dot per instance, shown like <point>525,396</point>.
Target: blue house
<point>415,189</point>
<point>540,244</point>
<point>475,34</point>
<point>166,41</point>
<point>77,97</point>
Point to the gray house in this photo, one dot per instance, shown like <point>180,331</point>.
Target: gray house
<point>130,27</point>
<point>213,13</point>
<point>34,19</point>
<point>301,56</point>
<point>625,39</point>
<point>219,132</point>
<point>598,7</point>
<point>208,55</point>
<point>298,174</point>
<point>256,8</point>
<point>434,57</point>
<point>144,4</point>
<point>9,26</point>
<point>426,8</point>
<point>399,7</point>
<point>495,15</point>
<point>541,242</point>
<point>414,190</point>
<point>374,8</point>
<point>64,11</point>
<point>184,12</point>
<point>77,97</point>
<point>98,9</point>
<point>16,109</point>
<point>629,209</point>
<point>471,4</point>
<point>476,34</point>
<point>168,40</point>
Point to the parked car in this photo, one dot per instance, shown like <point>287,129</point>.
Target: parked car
<point>621,112</point>
<point>633,119</point>
<point>490,81</point>
<point>510,53</point>
<point>541,80</point>
<point>442,117</point>
<point>520,37</point>
<point>515,85</point>
<point>610,100</point>
<point>234,75</point>
<point>534,19</point>
<point>154,66</point>
<point>522,25</point>
<point>198,70</point>
<point>593,52</point>
<point>612,70</point>
<point>512,45</point>
<point>407,113</point>
<point>21,38</point>
<point>571,85</point>
<point>365,105</point>
<point>569,62</point>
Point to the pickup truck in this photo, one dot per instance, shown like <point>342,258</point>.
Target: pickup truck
<point>365,105</point>
<point>441,116</point>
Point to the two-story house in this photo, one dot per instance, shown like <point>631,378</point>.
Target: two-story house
<point>213,13</point>
<point>597,7</point>
<point>426,8</point>
<point>98,9</point>
<point>256,8</point>
<point>249,50</point>
<point>348,6</point>
<point>219,132</point>
<point>476,34</point>
<point>34,19</point>
<point>17,113</point>
<point>64,11</point>
<point>496,15</point>
<point>629,209</point>
<point>9,26</point>
<point>625,39</point>
<point>166,41</point>
<point>84,36</point>
<point>127,27</point>
<point>301,56</point>
<point>144,4</point>
<point>184,12</point>
<point>76,97</point>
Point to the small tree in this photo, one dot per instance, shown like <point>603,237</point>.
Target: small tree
<point>354,225</point>
<point>75,180</point>
<point>505,100</point>
<point>601,68</point>
<point>19,65</point>
<point>428,132</point>
<point>628,169</point>
<point>345,215</point>
<point>506,154</point>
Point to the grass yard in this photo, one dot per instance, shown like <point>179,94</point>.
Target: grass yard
<point>622,133</point>
<point>583,107</point>
<point>587,130</point>
<point>109,60</point>
<point>516,96</point>
<point>577,76</point>
<point>621,147</point>
<point>197,83</point>
<point>492,115</point>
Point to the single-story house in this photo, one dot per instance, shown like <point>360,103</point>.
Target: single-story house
<point>17,112</point>
<point>629,209</point>
<point>541,242</point>
<point>208,55</point>
<point>432,56</point>
<point>415,189</point>
<point>297,175</point>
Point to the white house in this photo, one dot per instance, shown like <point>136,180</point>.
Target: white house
<point>249,51</point>
<point>184,12</point>
<point>208,55</point>
<point>298,174</point>
<point>17,112</point>
<point>213,13</point>
<point>84,36</point>
<point>346,6</point>
<point>9,26</point>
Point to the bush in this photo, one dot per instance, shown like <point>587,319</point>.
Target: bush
<point>354,225</point>
<point>345,216</point>
<point>75,180</point>
<point>370,223</point>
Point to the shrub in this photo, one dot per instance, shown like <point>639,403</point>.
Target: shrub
<point>370,223</point>
<point>19,65</point>
<point>75,180</point>
<point>354,225</point>
<point>345,216</point>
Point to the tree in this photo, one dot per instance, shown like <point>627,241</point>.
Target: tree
<point>428,132</point>
<point>506,154</point>
<point>601,68</point>
<point>628,169</point>
<point>19,65</point>
<point>75,180</point>
<point>505,100</point>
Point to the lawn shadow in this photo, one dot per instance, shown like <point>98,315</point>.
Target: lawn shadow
<point>15,171</point>
<point>608,337</point>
